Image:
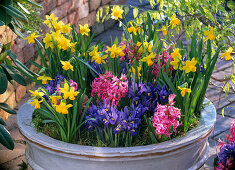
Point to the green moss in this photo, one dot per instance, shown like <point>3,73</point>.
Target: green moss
<point>49,129</point>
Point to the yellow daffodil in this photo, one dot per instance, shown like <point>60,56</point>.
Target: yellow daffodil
<point>84,29</point>
<point>36,103</point>
<point>174,21</point>
<point>72,46</point>
<point>132,70</point>
<point>164,30</point>
<point>63,108</point>
<point>56,36</point>
<point>54,99</point>
<point>190,65</point>
<point>149,59</point>
<point>133,29</point>
<point>210,34</point>
<point>116,51</point>
<point>99,59</point>
<point>63,43</point>
<point>145,44</point>
<point>227,54</point>
<point>175,63</point>
<point>66,28</point>
<point>138,44</point>
<point>36,93</point>
<point>116,12</point>
<point>31,38</point>
<point>58,25</point>
<point>65,88</point>
<point>66,65</point>
<point>44,79</point>
<point>94,51</point>
<point>48,41</point>
<point>52,18</point>
<point>176,54</point>
<point>68,93</point>
<point>184,90</point>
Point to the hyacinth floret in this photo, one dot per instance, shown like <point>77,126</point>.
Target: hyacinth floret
<point>108,86</point>
<point>163,61</point>
<point>167,116</point>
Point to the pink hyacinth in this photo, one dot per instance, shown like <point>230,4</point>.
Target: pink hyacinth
<point>232,130</point>
<point>166,116</point>
<point>108,86</point>
<point>229,138</point>
<point>163,61</point>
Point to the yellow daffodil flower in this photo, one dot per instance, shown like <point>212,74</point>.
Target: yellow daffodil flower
<point>132,70</point>
<point>48,41</point>
<point>52,18</point>
<point>184,90</point>
<point>133,29</point>
<point>66,65</point>
<point>175,63</point>
<point>63,108</point>
<point>149,59</point>
<point>164,31</point>
<point>65,88</point>
<point>63,43</point>
<point>66,28</point>
<point>84,29</point>
<point>176,54</point>
<point>138,44</point>
<point>36,103</point>
<point>99,59</point>
<point>210,34</point>
<point>44,79</point>
<point>190,66</point>
<point>72,46</point>
<point>116,51</point>
<point>31,38</point>
<point>227,54</point>
<point>116,12</point>
<point>54,99</point>
<point>36,93</point>
<point>68,93</point>
<point>174,21</point>
<point>94,51</point>
<point>147,45</point>
<point>58,25</point>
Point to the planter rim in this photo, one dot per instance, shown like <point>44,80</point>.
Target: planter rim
<point>206,126</point>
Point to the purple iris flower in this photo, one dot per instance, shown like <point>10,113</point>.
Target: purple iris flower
<point>227,151</point>
<point>51,88</point>
<point>164,94</point>
<point>134,132</point>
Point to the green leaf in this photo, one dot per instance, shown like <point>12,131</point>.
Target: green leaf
<point>7,108</point>
<point>222,112</point>
<point>2,122</point>
<point>232,77</point>
<point>5,138</point>
<point>135,12</point>
<point>33,3</point>
<point>15,30</point>
<point>4,17</point>
<point>14,74</point>
<point>10,10</point>
<point>3,80</point>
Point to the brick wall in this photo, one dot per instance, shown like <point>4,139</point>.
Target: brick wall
<point>69,11</point>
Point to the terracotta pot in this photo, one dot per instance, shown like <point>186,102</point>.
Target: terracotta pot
<point>187,152</point>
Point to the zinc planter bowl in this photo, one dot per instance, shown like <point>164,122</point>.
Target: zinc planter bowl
<point>187,152</point>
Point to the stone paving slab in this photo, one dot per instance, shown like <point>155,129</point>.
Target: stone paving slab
<point>222,124</point>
